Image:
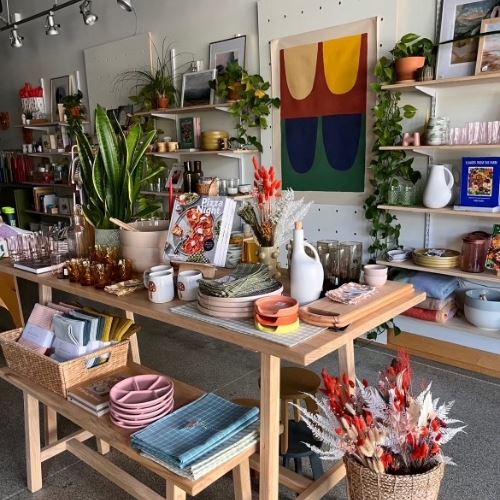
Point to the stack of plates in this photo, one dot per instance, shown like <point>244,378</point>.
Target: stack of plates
<point>448,259</point>
<point>210,139</point>
<point>277,314</point>
<point>238,307</point>
<point>139,401</point>
<point>233,257</point>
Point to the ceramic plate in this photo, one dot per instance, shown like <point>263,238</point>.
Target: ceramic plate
<point>224,301</point>
<point>225,315</point>
<point>141,391</point>
<point>139,411</point>
<point>147,418</point>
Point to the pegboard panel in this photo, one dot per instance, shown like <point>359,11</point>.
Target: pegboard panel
<point>104,62</point>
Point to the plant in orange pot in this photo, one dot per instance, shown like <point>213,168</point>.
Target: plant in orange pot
<point>410,54</point>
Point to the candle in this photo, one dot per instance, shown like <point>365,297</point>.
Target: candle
<point>78,86</point>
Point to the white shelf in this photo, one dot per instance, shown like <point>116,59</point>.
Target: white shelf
<point>486,276</point>
<point>47,154</point>
<point>457,331</point>
<point>428,150</point>
<point>43,126</point>
<point>234,153</point>
<point>445,83</point>
<point>441,211</point>
<point>168,112</point>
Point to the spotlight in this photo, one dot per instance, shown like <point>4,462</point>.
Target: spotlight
<point>16,40</point>
<point>125,5</point>
<point>51,26</point>
<point>89,18</point>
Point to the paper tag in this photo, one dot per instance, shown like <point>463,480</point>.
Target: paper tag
<point>36,335</point>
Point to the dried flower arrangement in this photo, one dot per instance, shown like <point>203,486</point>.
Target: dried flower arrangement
<point>385,428</point>
<point>272,212</point>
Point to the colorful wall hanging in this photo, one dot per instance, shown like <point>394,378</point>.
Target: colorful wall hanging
<point>323,90</point>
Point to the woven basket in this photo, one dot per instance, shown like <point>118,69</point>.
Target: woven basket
<point>365,484</point>
<point>55,376</point>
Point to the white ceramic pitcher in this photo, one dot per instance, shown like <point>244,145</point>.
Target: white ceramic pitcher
<point>438,190</point>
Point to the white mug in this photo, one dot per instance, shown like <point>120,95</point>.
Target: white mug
<point>188,284</point>
<point>154,269</point>
<point>161,286</point>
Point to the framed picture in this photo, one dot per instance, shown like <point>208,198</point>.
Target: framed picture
<point>461,19</point>
<point>229,50</point>
<point>176,175</point>
<point>488,52</point>
<point>59,89</point>
<point>195,88</point>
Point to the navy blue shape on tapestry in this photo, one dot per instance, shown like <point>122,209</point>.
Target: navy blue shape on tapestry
<point>341,136</point>
<point>301,136</point>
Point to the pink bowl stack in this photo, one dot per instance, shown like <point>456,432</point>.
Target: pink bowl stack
<point>138,401</point>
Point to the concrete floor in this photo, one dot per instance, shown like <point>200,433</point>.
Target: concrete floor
<point>232,372</point>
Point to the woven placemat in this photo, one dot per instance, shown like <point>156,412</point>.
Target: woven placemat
<point>247,327</point>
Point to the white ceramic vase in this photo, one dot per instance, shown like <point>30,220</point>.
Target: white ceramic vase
<point>438,189</point>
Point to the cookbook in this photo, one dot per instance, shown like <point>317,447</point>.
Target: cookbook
<point>200,228</point>
<point>480,182</point>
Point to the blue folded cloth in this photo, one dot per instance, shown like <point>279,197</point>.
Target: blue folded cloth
<point>194,429</point>
<point>436,286</point>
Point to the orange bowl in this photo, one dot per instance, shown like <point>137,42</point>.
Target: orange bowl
<point>277,306</point>
<point>277,321</point>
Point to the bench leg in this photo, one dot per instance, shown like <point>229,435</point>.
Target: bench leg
<point>50,425</point>
<point>174,492</point>
<point>32,436</point>
<point>241,480</point>
<point>102,446</point>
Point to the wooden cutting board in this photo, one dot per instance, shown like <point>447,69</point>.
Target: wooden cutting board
<point>325,312</point>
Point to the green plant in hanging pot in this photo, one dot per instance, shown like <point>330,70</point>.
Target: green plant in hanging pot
<point>253,105</point>
<point>410,54</point>
<point>114,173</point>
<point>74,111</point>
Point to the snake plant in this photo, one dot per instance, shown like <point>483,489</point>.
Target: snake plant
<point>114,173</point>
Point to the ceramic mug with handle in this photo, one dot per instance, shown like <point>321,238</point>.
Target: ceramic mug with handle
<point>188,284</point>
<point>161,286</point>
<point>154,269</point>
<point>172,146</point>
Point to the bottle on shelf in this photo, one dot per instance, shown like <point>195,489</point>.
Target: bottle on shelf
<point>188,177</point>
<point>197,174</point>
<point>79,235</point>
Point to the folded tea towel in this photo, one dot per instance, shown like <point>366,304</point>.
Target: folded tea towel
<point>42,316</point>
<point>436,304</point>
<point>441,316</point>
<point>215,457</point>
<point>436,286</point>
<point>193,430</point>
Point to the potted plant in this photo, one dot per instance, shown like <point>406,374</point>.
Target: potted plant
<point>411,53</point>
<point>391,439</point>
<point>253,105</point>
<point>74,111</point>
<point>113,175</point>
<point>166,91</point>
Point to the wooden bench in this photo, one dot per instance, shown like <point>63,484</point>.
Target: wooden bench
<point>104,430</point>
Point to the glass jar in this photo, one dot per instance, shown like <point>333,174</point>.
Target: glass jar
<point>475,247</point>
<point>79,239</point>
<point>350,254</point>
<point>328,255</point>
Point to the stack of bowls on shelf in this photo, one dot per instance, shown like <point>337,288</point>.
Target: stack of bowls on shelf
<point>139,401</point>
<point>437,258</point>
<point>211,139</point>
<point>277,314</point>
<point>482,308</point>
<point>234,250</point>
<point>375,275</point>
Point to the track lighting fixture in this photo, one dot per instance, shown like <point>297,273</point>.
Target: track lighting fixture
<point>89,18</point>
<point>51,28</point>
<point>125,5</point>
<point>16,40</point>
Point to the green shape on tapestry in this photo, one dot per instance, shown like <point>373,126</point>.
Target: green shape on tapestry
<point>322,177</point>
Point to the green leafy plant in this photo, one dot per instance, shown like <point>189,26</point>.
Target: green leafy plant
<point>153,82</point>
<point>74,111</point>
<point>253,105</point>
<point>412,45</point>
<point>114,173</point>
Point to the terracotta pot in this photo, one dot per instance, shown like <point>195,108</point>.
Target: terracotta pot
<point>235,93</point>
<point>76,111</point>
<point>163,101</point>
<point>406,68</point>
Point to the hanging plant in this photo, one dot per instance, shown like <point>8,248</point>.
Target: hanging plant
<point>387,167</point>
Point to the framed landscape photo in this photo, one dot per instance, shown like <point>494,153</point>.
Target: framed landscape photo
<point>195,88</point>
<point>59,89</point>
<point>225,51</point>
<point>458,41</point>
<point>488,52</point>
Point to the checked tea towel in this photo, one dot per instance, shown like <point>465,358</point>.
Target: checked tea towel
<point>193,430</point>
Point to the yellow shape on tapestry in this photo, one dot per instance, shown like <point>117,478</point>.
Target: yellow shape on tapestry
<point>300,69</point>
<point>341,62</point>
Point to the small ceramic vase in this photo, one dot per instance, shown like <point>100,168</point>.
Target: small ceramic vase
<point>269,257</point>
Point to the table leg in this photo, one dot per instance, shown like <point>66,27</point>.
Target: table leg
<point>174,492</point>
<point>32,437</point>
<point>269,426</point>
<point>241,480</point>
<point>346,360</point>
<point>102,446</point>
<point>50,425</point>
<point>44,294</point>
<point>134,354</point>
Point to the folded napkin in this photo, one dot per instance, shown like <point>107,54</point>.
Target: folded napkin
<point>215,457</point>
<point>350,293</point>
<point>193,430</point>
<point>441,316</point>
<point>436,286</point>
<point>436,304</point>
<point>42,316</point>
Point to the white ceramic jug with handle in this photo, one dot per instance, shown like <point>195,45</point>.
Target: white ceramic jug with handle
<point>438,189</point>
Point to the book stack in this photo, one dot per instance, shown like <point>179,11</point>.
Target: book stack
<point>480,184</point>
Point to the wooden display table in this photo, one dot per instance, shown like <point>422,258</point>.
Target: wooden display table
<point>102,428</point>
<point>271,353</point>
